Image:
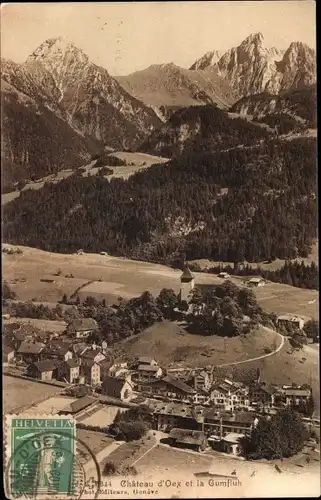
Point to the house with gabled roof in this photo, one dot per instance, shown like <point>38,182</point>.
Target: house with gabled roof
<point>117,388</point>
<point>43,370</point>
<point>82,327</point>
<point>30,352</point>
<point>169,387</point>
<point>263,394</point>
<point>57,350</point>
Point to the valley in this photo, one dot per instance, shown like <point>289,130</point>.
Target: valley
<point>160,278</point>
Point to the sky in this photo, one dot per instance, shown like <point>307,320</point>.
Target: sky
<point>124,37</point>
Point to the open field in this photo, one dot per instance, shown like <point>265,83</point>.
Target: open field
<point>171,345</point>
<point>20,393</point>
<point>127,278</point>
<point>103,417</point>
<point>51,406</point>
<point>43,324</point>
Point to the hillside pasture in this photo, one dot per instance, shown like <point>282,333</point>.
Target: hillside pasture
<point>172,346</point>
<point>126,278</point>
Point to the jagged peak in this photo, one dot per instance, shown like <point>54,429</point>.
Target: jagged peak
<point>56,47</point>
<point>299,46</point>
<point>256,38</point>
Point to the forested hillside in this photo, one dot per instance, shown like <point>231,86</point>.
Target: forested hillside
<point>202,128</point>
<point>252,203</point>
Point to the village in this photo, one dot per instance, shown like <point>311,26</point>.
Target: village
<point>192,408</point>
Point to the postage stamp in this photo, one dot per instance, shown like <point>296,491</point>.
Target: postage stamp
<point>41,457</point>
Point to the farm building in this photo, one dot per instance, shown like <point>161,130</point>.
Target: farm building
<point>42,370</point>
<point>81,328</point>
<point>30,352</point>
<point>288,319</point>
<point>257,281</point>
<point>117,388</point>
<point>193,439</point>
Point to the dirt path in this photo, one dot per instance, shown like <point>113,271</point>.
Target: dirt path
<point>90,467</point>
<point>258,357</point>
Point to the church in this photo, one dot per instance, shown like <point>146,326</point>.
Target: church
<point>188,285</point>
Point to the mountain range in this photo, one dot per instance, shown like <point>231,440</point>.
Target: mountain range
<point>167,87</point>
<point>59,108</point>
<point>58,83</point>
<point>252,68</point>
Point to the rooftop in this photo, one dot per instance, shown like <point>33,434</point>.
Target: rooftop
<point>289,317</point>
<point>233,437</point>
<point>187,436</point>
<point>187,274</point>
<point>112,386</point>
<point>178,384</point>
<point>30,348</point>
<point>148,368</point>
<point>83,324</point>
<point>47,365</point>
<point>79,404</point>
<point>146,360</point>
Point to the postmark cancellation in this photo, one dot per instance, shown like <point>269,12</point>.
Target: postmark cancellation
<point>40,457</point>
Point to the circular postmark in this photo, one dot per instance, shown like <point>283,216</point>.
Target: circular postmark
<point>52,464</point>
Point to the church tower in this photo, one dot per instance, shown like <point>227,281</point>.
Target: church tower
<point>187,284</point>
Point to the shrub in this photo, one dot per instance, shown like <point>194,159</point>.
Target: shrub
<point>132,431</point>
<point>110,468</point>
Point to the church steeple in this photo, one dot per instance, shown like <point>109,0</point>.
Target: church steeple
<point>187,275</point>
<point>187,283</point>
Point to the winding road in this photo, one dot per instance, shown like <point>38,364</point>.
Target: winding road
<point>258,357</point>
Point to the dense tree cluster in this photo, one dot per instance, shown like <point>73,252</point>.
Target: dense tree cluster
<point>282,123</point>
<point>291,273</point>
<point>253,203</point>
<point>225,310</point>
<point>210,129</point>
<point>133,423</point>
<point>281,436</point>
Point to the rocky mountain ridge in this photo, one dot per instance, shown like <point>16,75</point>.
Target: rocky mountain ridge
<point>168,86</point>
<point>252,68</point>
<point>59,88</point>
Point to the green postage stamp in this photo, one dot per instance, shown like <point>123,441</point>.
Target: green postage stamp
<point>41,457</point>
